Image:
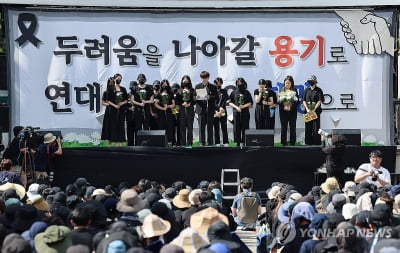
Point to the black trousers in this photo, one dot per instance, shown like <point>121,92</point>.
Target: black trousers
<point>221,122</point>
<point>165,120</point>
<point>206,119</point>
<point>186,125</point>
<point>311,131</point>
<point>241,123</point>
<point>288,118</point>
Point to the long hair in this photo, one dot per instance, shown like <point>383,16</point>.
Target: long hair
<point>187,78</point>
<point>241,80</point>
<point>288,78</point>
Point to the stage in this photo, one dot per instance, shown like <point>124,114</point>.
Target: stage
<point>294,165</point>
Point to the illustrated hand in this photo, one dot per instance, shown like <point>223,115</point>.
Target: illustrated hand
<point>368,33</point>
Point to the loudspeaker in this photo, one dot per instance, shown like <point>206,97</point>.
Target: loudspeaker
<point>259,137</point>
<point>4,118</point>
<point>353,136</point>
<point>153,138</point>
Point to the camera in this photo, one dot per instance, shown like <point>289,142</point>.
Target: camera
<point>325,137</point>
<point>323,133</point>
<point>375,174</point>
<point>28,132</point>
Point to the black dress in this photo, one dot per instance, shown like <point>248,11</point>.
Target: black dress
<point>264,114</point>
<point>335,163</point>
<point>241,119</point>
<point>105,130</point>
<point>312,97</point>
<point>117,116</point>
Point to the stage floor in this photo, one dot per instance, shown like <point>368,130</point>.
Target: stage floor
<point>294,165</point>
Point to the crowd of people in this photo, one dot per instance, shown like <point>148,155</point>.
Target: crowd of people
<point>173,108</point>
<point>359,216</point>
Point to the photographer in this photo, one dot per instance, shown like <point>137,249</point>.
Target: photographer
<point>13,152</point>
<point>51,146</point>
<point>373,172</point>
<point>334,162</point>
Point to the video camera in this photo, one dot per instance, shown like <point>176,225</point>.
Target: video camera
<point>28,132</point>
<point>325,137</point>
<point>30,136</point>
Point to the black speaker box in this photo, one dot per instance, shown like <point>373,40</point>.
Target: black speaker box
<point>353,136</point>
<point>153,138</point>
<point>3,72</point>
<point>259,137</point>
<point>4,118</point>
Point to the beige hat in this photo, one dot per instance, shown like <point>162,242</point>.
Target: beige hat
<point>182,199</point>
<point>194,196</point>
<point>330,184</point>
<point>98,192</point>
<point>49,137</point>
<point>17,187</point>
<point>274,192</point>
<point>154,226</point>
<point>130,202</point>
<point>202,220</point>
<point>295,197</point>
<point>396,205</point>
<point>38,202</point>
<point>189,240</point>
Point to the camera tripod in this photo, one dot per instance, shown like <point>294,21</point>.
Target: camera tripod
<point>28,164</point>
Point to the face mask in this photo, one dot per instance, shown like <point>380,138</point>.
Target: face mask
<point>219,87</point>
<point>185,85</point>
<point>241,87</point>
<point>141,81</point>
<point>118,81</point>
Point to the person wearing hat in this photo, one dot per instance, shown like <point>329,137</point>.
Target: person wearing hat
<point>50,147</point>
<point>373,172</point>
<point>313,97</point>
<point>142,98</point>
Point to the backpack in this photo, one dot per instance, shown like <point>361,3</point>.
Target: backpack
<point>248,211</point>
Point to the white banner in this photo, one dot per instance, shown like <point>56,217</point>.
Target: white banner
<point>60,61</point>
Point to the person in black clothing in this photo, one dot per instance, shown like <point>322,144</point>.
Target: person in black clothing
<point>312,100</point>
<point>105,130</point>
<point>335,164</point>
<point>220,115</point>
<point>205,109</point>
<point>164,102</point>
<point>153,110</point>
<point>117,98</point>
<point>187,111</point>
<point>13,152</point>
<point>80,220</point>
<point>241,101</point>
<point>288,100</point>
<point>130,110</point>
<point>176,111</point>
<point>142,100</point>
<point>266,101</point>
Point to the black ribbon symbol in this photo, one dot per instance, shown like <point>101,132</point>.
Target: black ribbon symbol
<point>27,33</point>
